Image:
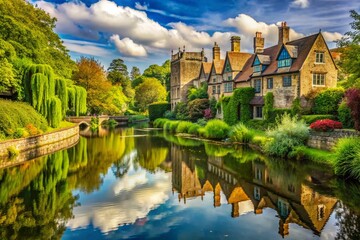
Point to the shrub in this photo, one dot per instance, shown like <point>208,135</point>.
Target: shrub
<point>344,115</point>
<point>296,107</point>
<point>216,129</point>
<point>213,105</point>
<point>313,118</point>
<point>181,111</point>
<point>159,123</point>
<point>327,101</point>
<point>169,115</point>
<point>259,124</point>
<point>278,113</point>
<point>32,130</point>
<point>288,134</point>
<point>20,133</point>
<point>208,114</point>
<point>198,93</point>
<point>183,127</point>
<point>157,110</point>
<point>240,99</point>
<point>202,122</point>
<point>240,133</point>
<point>325,125</point>
<point>193,129</point>
<point>353,102</point>
<point>197,107</point>
<point>171,126</point>
<point>14,115</point>
<point>268,105</point>
<point>347,158</point>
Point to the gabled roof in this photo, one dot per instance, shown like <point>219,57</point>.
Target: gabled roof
<point>218,65</point>
<point>206,68</point>
<point>264,59</point>
<point>303,46</point>
<point>237,60</point>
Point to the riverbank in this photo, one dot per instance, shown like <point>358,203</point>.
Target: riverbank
<point>16,151</point>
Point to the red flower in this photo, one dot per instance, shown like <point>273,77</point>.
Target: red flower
<point>325,125</point>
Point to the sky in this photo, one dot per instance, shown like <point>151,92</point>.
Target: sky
<point>143,32</point>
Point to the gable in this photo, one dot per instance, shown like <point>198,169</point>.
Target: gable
<point>283,54</point>
<point>256,61</point>
<point>227,66</point>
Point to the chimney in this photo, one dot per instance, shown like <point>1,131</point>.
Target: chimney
<point>284,35</point>
<point>235,43</point>
<point>259,43</point>
<point>216,52</point>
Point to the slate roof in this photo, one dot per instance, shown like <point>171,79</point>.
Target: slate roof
<point>206,67</point>
<point>303,47</point>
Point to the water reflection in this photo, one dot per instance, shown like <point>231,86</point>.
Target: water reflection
<point>129,183</point>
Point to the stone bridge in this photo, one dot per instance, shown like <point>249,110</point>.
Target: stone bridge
<point>87,119</point>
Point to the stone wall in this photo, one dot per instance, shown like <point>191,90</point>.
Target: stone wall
<point>36,146</point>
<point>327,140</point>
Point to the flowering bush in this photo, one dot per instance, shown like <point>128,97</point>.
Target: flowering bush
<point>325,125</point>
<point>207,113</point>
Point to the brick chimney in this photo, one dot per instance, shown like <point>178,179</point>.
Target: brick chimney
<point>235,43</point>
<point>259,43</point>
<point>216,52</point>
<point>284,33</point>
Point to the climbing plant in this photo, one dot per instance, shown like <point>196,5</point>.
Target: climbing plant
<point>240,99</point>
<point>268,105</point>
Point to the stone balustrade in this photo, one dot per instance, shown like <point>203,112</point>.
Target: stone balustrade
<point>327,140</point>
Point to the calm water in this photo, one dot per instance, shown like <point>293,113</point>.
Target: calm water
<point>141,184</point>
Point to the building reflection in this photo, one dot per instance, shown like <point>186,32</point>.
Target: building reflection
<point>291,196</point>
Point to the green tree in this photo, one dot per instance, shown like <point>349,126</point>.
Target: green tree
<point>149,91</point>
<point>135,72</point>
<point>350,58</point>
<point>7,79</point>
<point>162,73</point>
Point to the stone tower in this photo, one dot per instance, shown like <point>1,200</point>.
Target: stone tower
<point>185,67</point>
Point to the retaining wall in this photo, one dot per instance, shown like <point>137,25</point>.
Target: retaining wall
<point>327,140</point>
<point>37,146</point>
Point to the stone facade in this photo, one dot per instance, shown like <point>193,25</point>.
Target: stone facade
<point>36,146</point>
<point>185,68</point>
<point>327,140</point>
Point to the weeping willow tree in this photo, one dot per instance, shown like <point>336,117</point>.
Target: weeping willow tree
<point>62,93</point>
<point>77,100</point>
<point>50,97</point>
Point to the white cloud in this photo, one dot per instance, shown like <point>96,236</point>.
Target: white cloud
<point>127,207</point>
<point>127,46</point>
<point>141,7</point>
<point>300,3</point>
<point>330,37</point>
<point>89,48</point>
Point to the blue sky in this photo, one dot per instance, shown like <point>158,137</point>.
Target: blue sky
<point>145,32</point>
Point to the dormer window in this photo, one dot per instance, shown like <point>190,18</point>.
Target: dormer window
<point>257,65</point>
<point>319,57</point>
<point>227,67</point>
<point>257,68</point>
<point>284,59</point>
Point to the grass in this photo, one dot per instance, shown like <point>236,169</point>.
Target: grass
<point>312,154</point>
<point>216,129</point>
<point>240,133</point>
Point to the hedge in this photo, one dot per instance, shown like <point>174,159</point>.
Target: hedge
<point>313,118</point>
<point>157,110</point>
<point>268,105</point>
<point>327,101</point>
<point>243,97</point>
<point>344,115</point>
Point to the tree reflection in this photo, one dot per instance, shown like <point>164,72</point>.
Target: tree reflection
<point>348,222</point>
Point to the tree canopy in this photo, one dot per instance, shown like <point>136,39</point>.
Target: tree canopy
<point>149,91</point>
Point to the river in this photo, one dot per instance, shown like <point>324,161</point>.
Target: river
<point>138,183</point>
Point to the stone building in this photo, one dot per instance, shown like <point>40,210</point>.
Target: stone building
<point>290,69</point>
<point>215,77</point>
<point>185,68</point>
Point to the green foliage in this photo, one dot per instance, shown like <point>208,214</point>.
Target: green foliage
<point>157,110</point>
<point>278,113</point>
<point>347,160</point>
<point>327,101</point>
<point>194,129</point>
<point>259,124</point>
<point>240,133</point>
<point>55,112</point>
<point>29,32</point>
<point>202,122</point>
<point>311,154</point>
<point>344,115</point>
<point>268,105</point>
<point>148,92</point>
<point>183,127</point>
<point>8,82</point>
<point>288,134</point>
<point>171,126</point>
<point>15,115</point>
<point>196,108</point>
<point>117,74</point>
<point>198,93</point>
<point>62,93</point>
<point>181,111</point>
<point>213,105</point>
<point>216,129</point>
<point>20,133</point>
<point>161,73</point>
<point>159,122</point>
<point>240,99</point>
<point>296,107</point>
<point>313,118</point>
